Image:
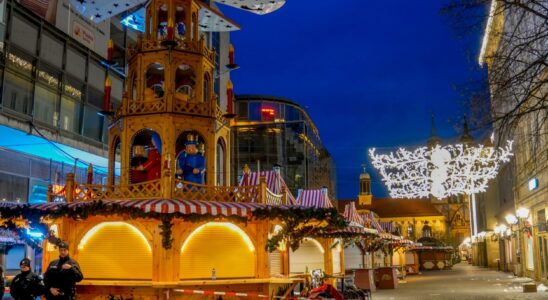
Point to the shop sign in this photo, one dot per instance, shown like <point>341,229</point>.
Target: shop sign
<point>533,184</point>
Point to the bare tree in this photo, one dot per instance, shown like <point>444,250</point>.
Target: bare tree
<point>515,50</point>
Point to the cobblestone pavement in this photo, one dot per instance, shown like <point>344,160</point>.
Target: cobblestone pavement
<point>462,282</point>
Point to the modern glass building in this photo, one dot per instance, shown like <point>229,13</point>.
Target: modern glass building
<point>271,131</point>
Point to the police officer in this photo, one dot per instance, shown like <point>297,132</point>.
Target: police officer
<point>26,285</point>
<point>62,275</point>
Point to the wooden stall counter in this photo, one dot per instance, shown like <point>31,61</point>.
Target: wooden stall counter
<point>363,278</point>
<point>386,278</point>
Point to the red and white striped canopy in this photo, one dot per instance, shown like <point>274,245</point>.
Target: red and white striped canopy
<point>370,218</point>
<point>314,198</point>
<point>351,214</point>
<point>274,182</point>
<point>164,206</point>
<point>387,226</point>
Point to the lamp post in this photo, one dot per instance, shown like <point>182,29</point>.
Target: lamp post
<point>517,224</point>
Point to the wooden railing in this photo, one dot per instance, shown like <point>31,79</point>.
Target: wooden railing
<point>192,191</point>
<point>153,105</point>
<point>143,190</point>
<point>75,192</point>
<point>197,46</point>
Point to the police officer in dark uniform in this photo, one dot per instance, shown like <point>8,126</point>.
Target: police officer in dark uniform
<point>62,275</point>
<point>26,285</point>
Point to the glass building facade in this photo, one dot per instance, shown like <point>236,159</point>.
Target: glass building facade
<point>273,131</point>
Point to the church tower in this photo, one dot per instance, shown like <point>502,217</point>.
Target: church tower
<point>169,99</point>
<point>365,196</point>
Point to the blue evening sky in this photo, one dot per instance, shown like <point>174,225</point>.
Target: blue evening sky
<point>369,73</point>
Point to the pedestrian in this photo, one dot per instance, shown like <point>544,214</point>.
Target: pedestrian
<point>2,281</point>
<point>26,285</point>
<point>62,275</point>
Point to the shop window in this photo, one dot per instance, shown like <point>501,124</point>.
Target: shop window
<point>38,191</point>
<point>45,105</point>
<point>95,97</point>
<point>24,34</point>
<point>117,88</point>
<point>254,111</point>
<point>17,93</point>
<point>76,64</point>
<point>70,114</point>
<point>13,188</point>
<point>96,76</point>
<point>92,123</point>
<point>51,50</point>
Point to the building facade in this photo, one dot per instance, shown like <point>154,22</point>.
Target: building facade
<point>270,131</point>
<point>514,40</point>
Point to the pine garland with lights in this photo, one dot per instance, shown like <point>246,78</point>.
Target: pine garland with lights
<point>298,222</point>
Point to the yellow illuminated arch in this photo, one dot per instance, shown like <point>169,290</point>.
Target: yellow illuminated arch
<point>309,256</point>
<point>222,246</point>
<point>115,250</point>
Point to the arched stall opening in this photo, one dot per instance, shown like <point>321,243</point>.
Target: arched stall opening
<point>309,256</point>
<point>202,259</point>
<point>115,250</point>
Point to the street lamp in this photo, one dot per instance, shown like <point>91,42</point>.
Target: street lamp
<point>522,213</point>
<point>511,219</point>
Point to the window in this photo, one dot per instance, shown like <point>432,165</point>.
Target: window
<point>51,50</point>
<point>530,258</point>
<point>24,34</point>
<point>17,93</point>
<point>221,156</point>
<point>13,188</point>
<point>117,88</point>
<point>95,97</point>
<point>38,191</point>
<point>45,105</point>
<point>254,111</point>
<point>70,115</point>
<point>96,76</point>
<point>242,110</point>
<point>92,123</point>
<point>76,64</point>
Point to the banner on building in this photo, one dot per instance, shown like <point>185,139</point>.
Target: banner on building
<point>93,35</point>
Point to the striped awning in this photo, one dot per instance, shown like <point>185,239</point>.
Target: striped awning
<point>352,215</point>
<point>370,218</point>
<point>354,230</point>
<point>387,226</point>
<point>314,198</point>
<point>163,206</point>
<point>274,182</point>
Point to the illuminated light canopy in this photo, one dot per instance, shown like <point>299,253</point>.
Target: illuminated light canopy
<point>511,219</point>
<point>226,225</point>
<point>522,212</point>
<point>98,228</point>
<point>442,171</point>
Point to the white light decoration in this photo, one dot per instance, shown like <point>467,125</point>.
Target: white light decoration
<point>522,213</point>
<point>442,171</point>
<point>511,219</point>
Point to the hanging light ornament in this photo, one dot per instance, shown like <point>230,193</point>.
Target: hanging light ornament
<point>441,171</point>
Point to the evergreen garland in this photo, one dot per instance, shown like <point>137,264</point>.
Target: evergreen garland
<point>297,222</point>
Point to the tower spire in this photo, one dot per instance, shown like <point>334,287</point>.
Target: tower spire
<point>434,139</point>
<point>466,138</point>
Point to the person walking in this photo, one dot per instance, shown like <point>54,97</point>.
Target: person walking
<point>62,275</point>
<point>26,285</point>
